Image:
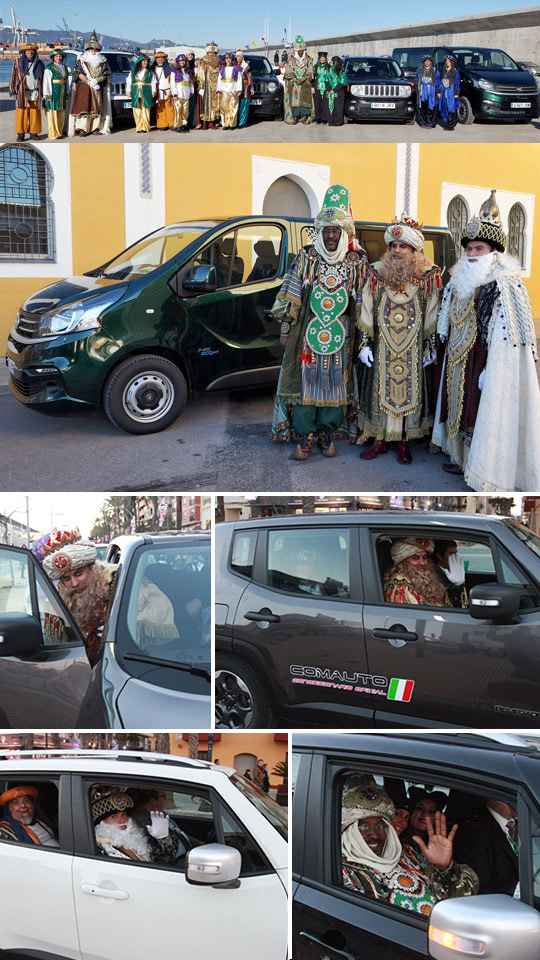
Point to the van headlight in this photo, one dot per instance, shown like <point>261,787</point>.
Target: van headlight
<point>80,315</point>
<point>486,84</point>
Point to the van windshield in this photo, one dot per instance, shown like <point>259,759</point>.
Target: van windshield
<point>153,251</point>
<point>275,814</point>
<point>483,58</point>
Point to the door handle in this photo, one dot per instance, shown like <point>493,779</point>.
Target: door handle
<point>96,891</point>
<point>263,616</point>
<point>314,941</point>
<point>396,632</point>
<point>268,313</point>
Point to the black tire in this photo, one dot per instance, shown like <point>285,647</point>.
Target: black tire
<point>465,111</point>
<point>242,700</point>
<point>144,394</point>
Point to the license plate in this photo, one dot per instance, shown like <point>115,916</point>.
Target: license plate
<point>520,106</point>
<point>127,105</point>
<point>256,103</point>
<point>10,365</point>
<point>383,106</point>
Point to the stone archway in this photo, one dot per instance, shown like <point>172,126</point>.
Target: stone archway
<point>286,197</point>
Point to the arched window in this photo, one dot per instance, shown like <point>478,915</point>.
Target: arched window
<point>285,197</point>
<point>457,216</point>
<point>26,210</point>
<point>516,233</point>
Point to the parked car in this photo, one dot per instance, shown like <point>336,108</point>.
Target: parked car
<point>334,921</point>
<point>226,893</point>
<point>267,99</point>
<point>45,677</point>
<point>377,88</point>
<point>493,86</point>
<point>186,309</point>
<point>530,67</point>
<point>304,632</point>
<point>120,63</point>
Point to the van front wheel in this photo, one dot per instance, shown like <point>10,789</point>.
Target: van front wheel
<point>465,111</point>
<point>144,394</point>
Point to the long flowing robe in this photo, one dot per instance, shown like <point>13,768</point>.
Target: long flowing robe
<point>229,88</point>
<point>56,82</point>
<point>182,91</point>
<point>246,95</point>
<point>396,391</point>
<point>306,377</point>
<point>297,95</point>
<point>90,109</point>
<point>504,450</point>
<point>207,80</point>
<point>449,97</point>
<point>426,84</point>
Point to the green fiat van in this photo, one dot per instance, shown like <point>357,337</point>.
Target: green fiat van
<point>184,310</point>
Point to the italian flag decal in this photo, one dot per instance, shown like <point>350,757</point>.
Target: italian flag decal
<point>400,690</point>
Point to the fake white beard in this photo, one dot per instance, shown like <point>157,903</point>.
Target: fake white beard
<point>355,849</point>
<point>335,256</point>
<point>131,838</point>
<point>468,275</point>
<point>93,59</point>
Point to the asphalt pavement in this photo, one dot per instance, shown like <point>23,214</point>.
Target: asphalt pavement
<point>220,443</point>
<point>276,131</point>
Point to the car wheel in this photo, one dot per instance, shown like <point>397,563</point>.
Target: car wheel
<point>144,394</point>
<point>242,700</point>
<point>465,111</point>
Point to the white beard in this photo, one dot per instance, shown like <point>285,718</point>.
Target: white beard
<point>468,275</point>
<point>131,838</point>
<point>94,59</point>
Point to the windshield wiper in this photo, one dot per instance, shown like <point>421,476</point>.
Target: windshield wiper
<point>161,662</point>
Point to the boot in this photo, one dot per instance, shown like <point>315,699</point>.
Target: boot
<point>205,125</point>
<point>377,447</point>
<point>20,137</point>
<point>211,126</point>
<point>326,444</point>
<point>304,448</point>
<point>403,453</point>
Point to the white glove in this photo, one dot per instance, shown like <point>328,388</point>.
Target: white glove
<point>431,357</point>
<point>456,570</point>
<point>366,356</point>
<point>94,84</point>
<point>481,379</point>
<point>159,827</point>
<point>201,91</point>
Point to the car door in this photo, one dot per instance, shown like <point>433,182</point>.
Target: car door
<point>302,611</point>
<point>37,916</point>
<point>234,336</point>
<point>440,664</point>
<point>129,910</point>
<point>44,670</point>
<point>329,921</point>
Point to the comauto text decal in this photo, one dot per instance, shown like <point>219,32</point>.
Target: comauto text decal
<point>393,688</point>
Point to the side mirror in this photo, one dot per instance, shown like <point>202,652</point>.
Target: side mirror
<point>494,601</point>
<point>213,863</point>
<point>201,278</point>
<point>20,635</point>
<point>493,925</point>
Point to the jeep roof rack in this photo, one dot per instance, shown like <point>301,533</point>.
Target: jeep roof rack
<point>121,756</point>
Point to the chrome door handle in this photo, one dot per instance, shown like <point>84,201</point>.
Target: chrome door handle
<point>96,891</point>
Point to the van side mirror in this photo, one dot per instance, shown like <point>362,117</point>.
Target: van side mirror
<point>201,279</point>
<point>213,863</point>
<point>493,925</point>
<point>494,601</point>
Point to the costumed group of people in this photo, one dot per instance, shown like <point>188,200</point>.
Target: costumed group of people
<point>313,92</point>
<point>379,354</point>
<point>437,93</point>
<point>399,848</point>
<point>186,94</point>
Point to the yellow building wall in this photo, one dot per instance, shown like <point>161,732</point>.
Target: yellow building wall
<point>206,180</point>
<point>501,166</point>
<point>97,203</point>
<point>261,745</point>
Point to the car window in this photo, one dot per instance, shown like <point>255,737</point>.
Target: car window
<point>484,59</point>
<point>15,597</point>
<point>235,835</point>
<point>243,552</point>
<point>418,570</point>
<point>527,536</point>
<point>310,562</point>
<point>384,846</point>
<point>245,255</point>
<point>119,62</point>
<point>151,252</point>
<point>168,606</point>
<point>29,812</point>
<point>411,59</point>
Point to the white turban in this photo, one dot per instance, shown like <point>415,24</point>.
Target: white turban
<point>406,232</point>
<point>407,547</point>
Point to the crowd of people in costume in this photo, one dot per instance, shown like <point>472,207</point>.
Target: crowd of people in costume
<point>377,353</point>
<point>198,94</point>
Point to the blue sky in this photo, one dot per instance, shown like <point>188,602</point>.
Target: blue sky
<point>235,24</point>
